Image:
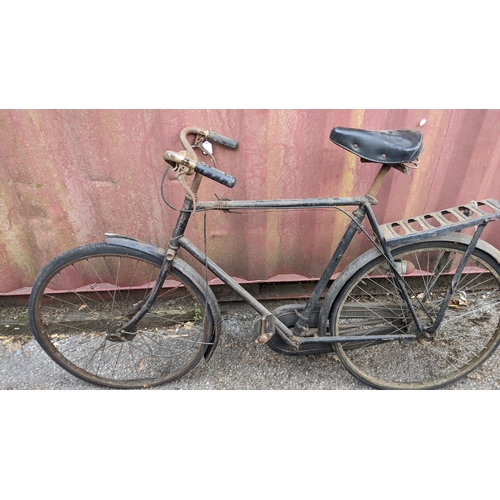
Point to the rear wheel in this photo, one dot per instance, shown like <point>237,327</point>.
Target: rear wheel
<point>370,303</point>
<point>82,298</point>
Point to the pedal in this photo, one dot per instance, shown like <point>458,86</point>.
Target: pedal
<point>264,328</point>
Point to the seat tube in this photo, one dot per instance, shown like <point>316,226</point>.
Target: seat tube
<point>354,226</point>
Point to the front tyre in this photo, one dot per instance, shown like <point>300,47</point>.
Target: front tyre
<point>370,303</point>
<point>81,298</point>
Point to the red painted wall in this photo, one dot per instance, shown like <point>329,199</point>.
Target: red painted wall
<point>69,176</point>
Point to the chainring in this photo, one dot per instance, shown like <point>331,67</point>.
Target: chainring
<point>288,316</point>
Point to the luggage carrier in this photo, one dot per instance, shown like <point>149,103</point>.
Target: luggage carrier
<point>437,223</point>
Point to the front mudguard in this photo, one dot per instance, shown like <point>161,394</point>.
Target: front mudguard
<point>184,268</point>
<point>362,260</point>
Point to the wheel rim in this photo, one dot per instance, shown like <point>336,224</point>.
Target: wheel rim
<point>468,335</point>
<point>81,307</point>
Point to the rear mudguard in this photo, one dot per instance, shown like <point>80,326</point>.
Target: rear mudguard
<point>362,260</point>
<point>183,267</point>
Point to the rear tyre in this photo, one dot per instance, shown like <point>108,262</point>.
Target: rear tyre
<point>370,303</point>
<point>81,299</point>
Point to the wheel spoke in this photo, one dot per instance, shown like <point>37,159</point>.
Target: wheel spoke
<point>467,336</point>
<point>82,294</point>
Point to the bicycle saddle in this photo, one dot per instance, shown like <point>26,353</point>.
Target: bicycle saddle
<point>384,146</point>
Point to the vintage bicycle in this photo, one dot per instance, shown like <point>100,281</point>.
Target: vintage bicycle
<point>419,310</point>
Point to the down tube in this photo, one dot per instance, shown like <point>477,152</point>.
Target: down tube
<point>284,331</point>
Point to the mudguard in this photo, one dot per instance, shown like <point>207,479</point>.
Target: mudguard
<point>184,268</point>
<point>362,260</point>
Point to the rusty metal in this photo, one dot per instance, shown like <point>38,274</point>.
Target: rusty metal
<point>229,206</point>
<point>417,322</point>
<point>364,209</point>
<point>438,223</point>
<point>264,328</point>
<point>200,134</point>
<point>379,180</point>
<point>186,163</point>
<point>281,329</point>
<point>69,176</point>
<point>181,161</point>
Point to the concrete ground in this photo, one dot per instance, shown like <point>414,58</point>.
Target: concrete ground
<point>237,364</point>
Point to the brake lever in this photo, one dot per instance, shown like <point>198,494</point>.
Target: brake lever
<point>200,143</point>
<point>181,177</point>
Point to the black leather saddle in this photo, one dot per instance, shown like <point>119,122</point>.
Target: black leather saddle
<point>384,146</point>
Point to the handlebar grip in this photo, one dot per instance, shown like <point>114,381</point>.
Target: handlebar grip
<point>215,175</point>
<point>223,141</point>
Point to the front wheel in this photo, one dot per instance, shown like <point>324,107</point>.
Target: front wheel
<point>80,300</point>
<point>370,303</point>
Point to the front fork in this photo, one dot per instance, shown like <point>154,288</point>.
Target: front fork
<point>126,325</point>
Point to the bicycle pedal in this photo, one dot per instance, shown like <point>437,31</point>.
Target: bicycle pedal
<point>264,328</point>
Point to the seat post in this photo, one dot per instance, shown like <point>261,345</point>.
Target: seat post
<point>379,180</point>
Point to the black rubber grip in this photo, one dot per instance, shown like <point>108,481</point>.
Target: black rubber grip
<point>215,175</point>
<point>223,141</point>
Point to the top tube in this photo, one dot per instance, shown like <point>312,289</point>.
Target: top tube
<point>284,204</point>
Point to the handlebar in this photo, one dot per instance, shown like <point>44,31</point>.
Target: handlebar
<point>187,162</point>
<point>223,141</point>
<point>214,174</point>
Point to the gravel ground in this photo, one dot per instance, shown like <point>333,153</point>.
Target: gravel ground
<point>237,364</point>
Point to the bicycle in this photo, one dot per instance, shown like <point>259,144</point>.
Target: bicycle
<point>419,310</point>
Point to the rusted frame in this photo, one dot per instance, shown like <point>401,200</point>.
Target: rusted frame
<point>201,257</point>
<point>306,203</point>
<point>293,339</point>
<point>363,204</point>
<point>364,209</point>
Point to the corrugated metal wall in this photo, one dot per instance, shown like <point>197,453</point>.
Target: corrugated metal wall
<point>68,176</point>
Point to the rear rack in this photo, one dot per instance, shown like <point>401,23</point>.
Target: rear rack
<point>437,223</point>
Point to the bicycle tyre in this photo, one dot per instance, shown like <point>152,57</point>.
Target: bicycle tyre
<point>79,297</point>
<point>468,335</point>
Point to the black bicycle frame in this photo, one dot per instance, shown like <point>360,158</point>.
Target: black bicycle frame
<point>292,338</point>
<point>295,338</point>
